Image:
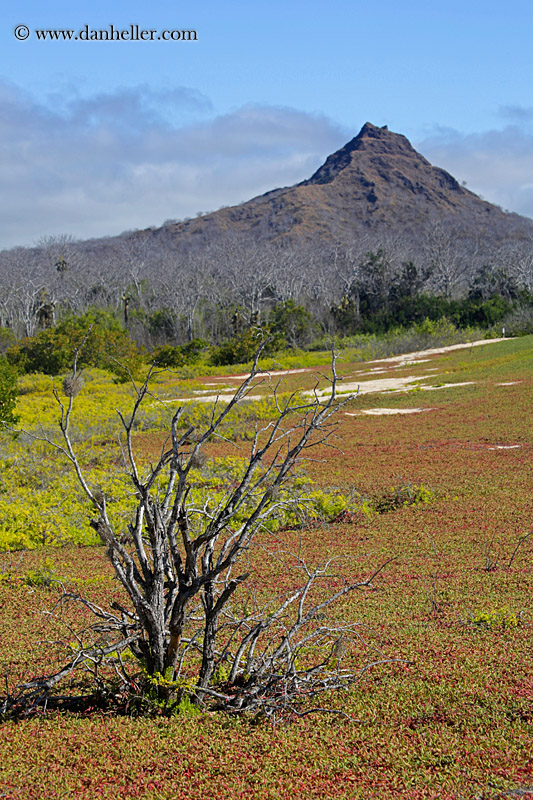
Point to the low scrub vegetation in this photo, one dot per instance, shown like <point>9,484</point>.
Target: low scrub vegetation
<point>428,496</point>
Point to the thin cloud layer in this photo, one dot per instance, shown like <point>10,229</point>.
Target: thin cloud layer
<point>111,162</point>
<point>134,157</point>
<point>496,164</point>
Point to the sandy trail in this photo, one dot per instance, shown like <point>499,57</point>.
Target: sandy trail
<point>407,358</point>
<point>373,386</point>
<point>378,412</point>
<point>377,386</point>
<point>272,373</point>
<point>361,387</point>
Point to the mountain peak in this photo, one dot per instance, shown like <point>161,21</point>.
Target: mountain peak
<point>371,141</point>
<point>377,182</point>
<point>372,131</point>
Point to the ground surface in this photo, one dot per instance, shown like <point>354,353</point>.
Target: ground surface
<point>452,718</point>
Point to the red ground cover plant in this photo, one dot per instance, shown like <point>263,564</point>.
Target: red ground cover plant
<point>455,722</point>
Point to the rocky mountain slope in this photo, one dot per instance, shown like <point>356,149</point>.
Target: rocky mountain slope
<point>376,183</point>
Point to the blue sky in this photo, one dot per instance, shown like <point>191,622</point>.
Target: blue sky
<point>99,137</point>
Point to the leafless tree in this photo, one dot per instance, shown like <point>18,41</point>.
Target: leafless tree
<point>183,561</point>
<point>248,269</point>
<point>451,256</point>
<point>517,258</point>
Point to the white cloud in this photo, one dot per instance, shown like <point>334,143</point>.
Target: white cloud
<point>497,164</point>
<point>99,165</point>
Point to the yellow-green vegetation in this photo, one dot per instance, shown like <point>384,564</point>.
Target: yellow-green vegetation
<point>41,501</point>
<point>400,496</point>
<point>500,619</point>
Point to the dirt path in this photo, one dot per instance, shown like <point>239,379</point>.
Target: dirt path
<point>408,358</point>
<point>373,386</point>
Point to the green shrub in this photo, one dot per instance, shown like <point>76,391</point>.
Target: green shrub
<point>8,394</point>
<point>107,346</point>
<point>242,348</point>
<point>172,357</point>
<point>7,339</point>
<point>43,576</point>
<point>520,321</point>
<point>293,324</point>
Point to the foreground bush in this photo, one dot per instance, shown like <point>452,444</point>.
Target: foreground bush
<point>191,635</point>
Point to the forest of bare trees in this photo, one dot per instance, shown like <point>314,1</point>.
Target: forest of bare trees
<point>164,293</point>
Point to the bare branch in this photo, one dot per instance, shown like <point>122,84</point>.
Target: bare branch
<point>182,568</point>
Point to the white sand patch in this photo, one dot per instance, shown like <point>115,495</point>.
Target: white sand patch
<point>446,386</point>
<point>407,358</point>
<point>363,387</point>
<point>379,411</point>
<point>403,363</point>
<point>263,374</point>
<point>366,387</point>
<point>410,362</point>
<point>420,388</point>
<point>223,397</point>
<point>231,389</point>
<point>351,388</point>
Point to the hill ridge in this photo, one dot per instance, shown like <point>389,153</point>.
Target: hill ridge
<point>377,182</point>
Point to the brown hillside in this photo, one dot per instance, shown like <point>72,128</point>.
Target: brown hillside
<point>375,183</point>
